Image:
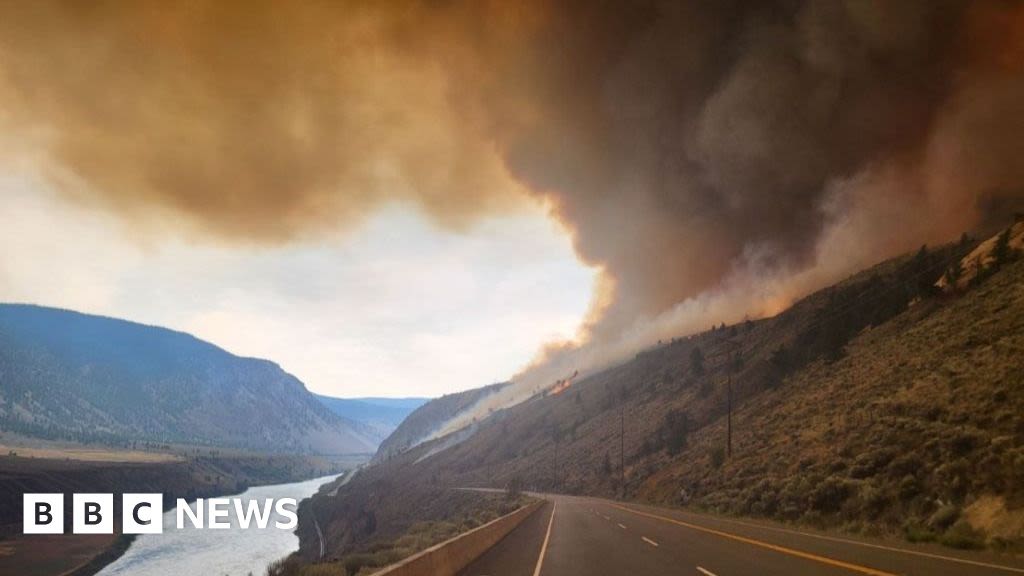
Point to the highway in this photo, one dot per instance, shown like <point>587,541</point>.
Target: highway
<point>574,536</point>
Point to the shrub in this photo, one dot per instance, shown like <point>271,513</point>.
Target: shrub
<point>676,426</point>
<point>915,532</point>
<point>717,457</point>
<point>705,388</point>
<point>646,448</point>
<point>355,562</point>
<point>696,361</point>
<point>514,488</point>
<point>781,363</point>
<point>904,465</point>
<point>955,477</point>
<point>830,494</point>
<point>962,443</point>
<point>762,498</point>
<point>962,535</point>
<point>323,570</point>
<point>1001,252</point>
<point>944,517</point>
<point>908,488</point>
<point>862,469</point>
<point>874,500</point>
<point>954,272</point>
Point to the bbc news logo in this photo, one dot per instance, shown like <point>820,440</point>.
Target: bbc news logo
<point>143,513</point>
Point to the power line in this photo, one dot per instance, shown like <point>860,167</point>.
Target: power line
<point>733,346</point>
<point>852,302</point>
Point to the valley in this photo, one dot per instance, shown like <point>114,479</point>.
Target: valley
<point>95,404</point>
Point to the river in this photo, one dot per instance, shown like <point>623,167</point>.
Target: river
<point>232,552</point>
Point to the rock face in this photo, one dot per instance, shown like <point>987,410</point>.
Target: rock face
<point>71,376</point>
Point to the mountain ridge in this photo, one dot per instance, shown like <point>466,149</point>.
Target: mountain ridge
<point>430,417</point>
<point>376,417</point>
<point>76,376</point>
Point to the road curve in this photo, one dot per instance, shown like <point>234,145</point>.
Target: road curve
<point>575,536</point>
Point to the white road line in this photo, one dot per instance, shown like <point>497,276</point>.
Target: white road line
<point>649,541</point>
<point>762,544</point>
<point>870,545</point>
<point>544,546</point>
<point>623,526</point>
<point>705,571</point>
<point>606,517</point>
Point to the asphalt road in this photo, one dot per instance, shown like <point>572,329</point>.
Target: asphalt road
<point>573,536</point>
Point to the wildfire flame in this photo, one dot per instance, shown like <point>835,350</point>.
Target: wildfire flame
<point>563,384</point>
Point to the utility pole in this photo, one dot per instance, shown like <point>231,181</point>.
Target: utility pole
<point>728,401</point>
<point>731,353</point>
<point>622,447</point>
<point>554,480</point>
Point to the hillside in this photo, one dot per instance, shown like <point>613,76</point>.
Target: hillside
<point>376,418</point>
<point>882,404</point>
<point>65,375</point>
<point>429,417</point>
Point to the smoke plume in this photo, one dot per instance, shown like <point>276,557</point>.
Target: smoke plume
<point>715,159</point>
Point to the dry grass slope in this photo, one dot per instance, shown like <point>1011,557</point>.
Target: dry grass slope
<point>918,427</point>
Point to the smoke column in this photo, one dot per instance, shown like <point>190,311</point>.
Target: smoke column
<point>714,159</point>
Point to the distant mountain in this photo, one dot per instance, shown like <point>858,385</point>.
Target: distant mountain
<point>429,417</point>
<point>378,417</point>
<point>66,375</point>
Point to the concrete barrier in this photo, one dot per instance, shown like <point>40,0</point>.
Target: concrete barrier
<point>450,556</point>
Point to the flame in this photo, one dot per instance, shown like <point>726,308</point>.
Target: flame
<point>563,384</point>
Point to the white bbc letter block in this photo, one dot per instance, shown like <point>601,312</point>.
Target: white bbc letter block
<point>218,509</point>
<point>92,514</point>
<point>142,514</point>
<point>43,514</point>
<point>185,510</point>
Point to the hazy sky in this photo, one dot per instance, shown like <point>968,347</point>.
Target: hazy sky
<point>395,307</point>
<point>360,183</point>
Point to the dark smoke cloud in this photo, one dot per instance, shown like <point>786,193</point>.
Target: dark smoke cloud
<point>716,159</point>
<point>682,140</point>
<point>712,131</point>
<point>254,120</point>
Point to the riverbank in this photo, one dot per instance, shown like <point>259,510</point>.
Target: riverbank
<point>202,474</point>
<point>234,551</point>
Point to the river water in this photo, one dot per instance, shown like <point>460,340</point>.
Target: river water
<point>232,552</point>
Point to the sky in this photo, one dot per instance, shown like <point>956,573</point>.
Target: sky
<point>377,194</point>
<point>396,307</point>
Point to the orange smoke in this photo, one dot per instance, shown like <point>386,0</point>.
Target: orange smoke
<point>712,159</point>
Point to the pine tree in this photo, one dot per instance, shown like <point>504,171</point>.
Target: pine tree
<point>954,273</point>
<point>1001,251</point>
<point>697,361</point>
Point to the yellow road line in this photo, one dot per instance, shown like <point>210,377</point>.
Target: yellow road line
<point>762,544</point>
<point>876,546</point>
<point>544,546</point>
